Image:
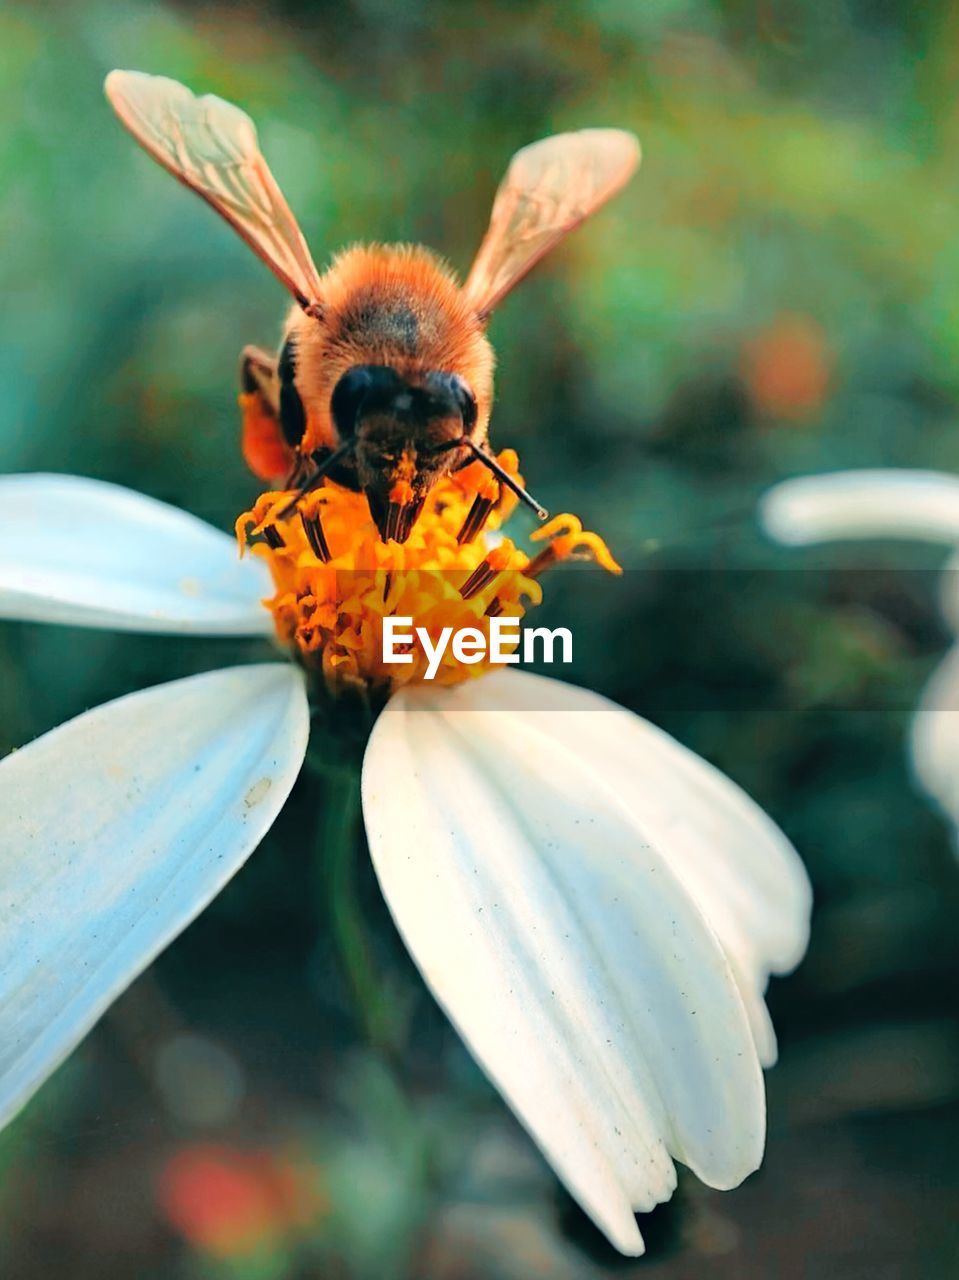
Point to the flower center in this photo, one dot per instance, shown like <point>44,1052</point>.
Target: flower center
<point>336,580</point>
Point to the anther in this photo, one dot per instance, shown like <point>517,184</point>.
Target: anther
<point>544,560</point>
<point>568,540</point>
<point>272,537</point>
<point>313,528</point>
<point>481,577</point>
<point>476,518</point>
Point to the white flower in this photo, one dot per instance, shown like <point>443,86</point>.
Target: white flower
<point>864,504</point>
<point>596,909</point>
<point>917,505</point>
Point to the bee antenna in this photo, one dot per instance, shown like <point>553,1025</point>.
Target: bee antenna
<point>322,469</point>
<point>504,477</point>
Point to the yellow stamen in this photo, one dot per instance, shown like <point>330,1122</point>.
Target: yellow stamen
<point>335,580</point>
<point>568,540</point>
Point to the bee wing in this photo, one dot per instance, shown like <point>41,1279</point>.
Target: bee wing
<point>549,189</point>
<point>211,147</point>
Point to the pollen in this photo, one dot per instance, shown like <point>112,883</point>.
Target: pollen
<point>335,580</point>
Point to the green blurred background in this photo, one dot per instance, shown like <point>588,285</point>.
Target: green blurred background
<point>778,292</point>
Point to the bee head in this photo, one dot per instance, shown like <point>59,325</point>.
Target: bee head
<point>407,436</point>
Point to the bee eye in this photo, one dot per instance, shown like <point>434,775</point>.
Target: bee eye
<point>456,387</point>
<point>348,396</point>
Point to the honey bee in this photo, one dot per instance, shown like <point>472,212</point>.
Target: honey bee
<point>384,377</point>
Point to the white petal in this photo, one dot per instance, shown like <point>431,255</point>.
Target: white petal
<point>744,874</point>
<point>949,592</point>
<point>935,736</point>
<point>91,554</point>
<point>658,778</point>
<point>552,928</point>
<point>864,504</point>
<point>117,829</point>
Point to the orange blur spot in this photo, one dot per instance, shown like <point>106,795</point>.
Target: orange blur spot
<point>231,1203</point>
<point>787,368</point>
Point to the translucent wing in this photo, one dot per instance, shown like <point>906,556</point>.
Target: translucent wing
<point>211,147</point>
<point>549,189</point>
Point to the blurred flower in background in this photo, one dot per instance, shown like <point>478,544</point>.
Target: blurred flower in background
<point>918,505</point>
<point>786,369</point>
<point>232,1203</point>
<point>201,1083</point>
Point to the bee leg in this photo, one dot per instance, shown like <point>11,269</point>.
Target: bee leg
<point>266,451</point>
<point>258,372</point>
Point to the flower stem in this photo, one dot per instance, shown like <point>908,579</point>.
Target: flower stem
<point>337,851</point>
